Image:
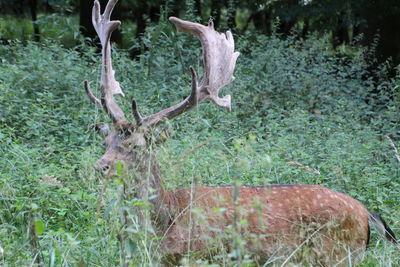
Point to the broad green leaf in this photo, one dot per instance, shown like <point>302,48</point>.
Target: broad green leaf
<point>119,166</point>
<point>39,227</point>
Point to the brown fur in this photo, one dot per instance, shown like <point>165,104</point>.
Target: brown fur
<point>276,220</point>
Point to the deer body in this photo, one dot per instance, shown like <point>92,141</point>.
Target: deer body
<point>273,220</point>
<point>304,223</point>
<point>323,226</point>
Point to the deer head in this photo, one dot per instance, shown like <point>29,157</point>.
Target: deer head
<point>127,141</point>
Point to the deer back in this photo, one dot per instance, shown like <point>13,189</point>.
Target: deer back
<point>272,220</point>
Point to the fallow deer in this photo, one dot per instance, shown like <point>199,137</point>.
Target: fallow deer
<point>303,223</point>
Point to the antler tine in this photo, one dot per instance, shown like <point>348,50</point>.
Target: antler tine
<point>219,63</point>
<point>91,96</point>
<point>108,84</point>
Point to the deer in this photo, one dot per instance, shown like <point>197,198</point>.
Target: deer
<point>288,222</point>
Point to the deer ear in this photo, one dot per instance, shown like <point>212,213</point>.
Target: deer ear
<point>103,129</point>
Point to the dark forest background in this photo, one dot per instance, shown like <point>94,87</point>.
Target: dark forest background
<point>346,21</point>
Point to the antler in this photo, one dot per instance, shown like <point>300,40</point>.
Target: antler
<point>109,86</point>
<point>219,63</point>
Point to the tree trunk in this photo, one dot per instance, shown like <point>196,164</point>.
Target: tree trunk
<point>139,13</point>
<point>33,8</point>
<point>216,12</point>
<point>262,21</point>
<point>286,26</point>
<point>305,29</point>
<point>174,8</point>
<point>231,21</point>
<point>288,13</point>
<point>139,16</point>
<point>340,33</point>
<point>85,19</point>
<point>198,7</point>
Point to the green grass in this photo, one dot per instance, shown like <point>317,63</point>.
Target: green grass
<point>292,101</point>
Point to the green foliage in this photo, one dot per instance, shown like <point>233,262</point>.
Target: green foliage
<point>293,101</point>
<point>36,100</point>
<point>60,29</point>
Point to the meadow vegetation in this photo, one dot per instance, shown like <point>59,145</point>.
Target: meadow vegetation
<point>302,113</point>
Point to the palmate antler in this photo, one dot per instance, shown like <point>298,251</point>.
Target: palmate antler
<point>219,63</point>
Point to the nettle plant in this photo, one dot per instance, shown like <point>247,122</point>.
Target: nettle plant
<point>301,223</point>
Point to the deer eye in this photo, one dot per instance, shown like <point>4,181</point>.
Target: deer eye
<point>125,133</point>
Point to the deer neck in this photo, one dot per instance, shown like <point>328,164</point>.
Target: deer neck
<point>149,188</point>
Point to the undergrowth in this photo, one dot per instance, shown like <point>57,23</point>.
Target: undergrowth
<point>293,102</point>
